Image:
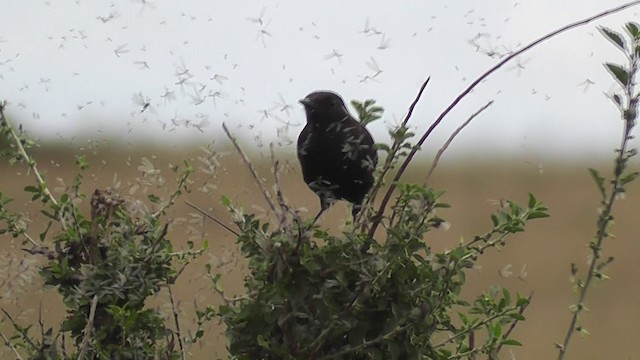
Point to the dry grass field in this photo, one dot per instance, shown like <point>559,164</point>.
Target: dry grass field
<point>546,249</point>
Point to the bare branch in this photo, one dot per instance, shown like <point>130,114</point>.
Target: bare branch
<point>201,211</point>
<point>444,147</point>
<point>252,169</point>
<point>88,328</point>
<point>177,323</point>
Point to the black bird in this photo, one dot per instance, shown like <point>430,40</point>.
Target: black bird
<point>336,152</point>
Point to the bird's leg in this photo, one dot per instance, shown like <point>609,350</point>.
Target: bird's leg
<point>325,203</point>
<point>316,218</point>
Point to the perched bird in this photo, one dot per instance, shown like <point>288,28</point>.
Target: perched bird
<point>336,152</point>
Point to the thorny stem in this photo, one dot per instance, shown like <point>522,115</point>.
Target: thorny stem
<point>605,217</point>
<point>378,216</point>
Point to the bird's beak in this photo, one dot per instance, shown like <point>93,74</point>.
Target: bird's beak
<point>306,103</point>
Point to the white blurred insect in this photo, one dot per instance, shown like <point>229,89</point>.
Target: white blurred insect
<point>168,95</point>
<point>372,64</point>
<point>282,105</point>
<point>384,43</point>
<point>258,20</point>
<point>122,49</point>
<point>334,54</point>
<point>142,101</point>
<point>220,79</point>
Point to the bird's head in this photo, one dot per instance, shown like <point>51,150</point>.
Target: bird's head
<point>324,107</point>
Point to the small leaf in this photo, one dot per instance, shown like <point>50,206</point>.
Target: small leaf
<point>619,73</point>
<point>497,331</point>
<point>613,36</point>
<point>31,188</point>
<point>537,215</point>
<point>599,180</point>
<point>632,29</point>
<point>511,342</point>
<point>617,99</point>
<point>629,178</point>
<point>225,201</point>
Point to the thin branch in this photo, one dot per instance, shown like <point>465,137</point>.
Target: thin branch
<point>506,335</point>
<point>201,211</point>
<point>177,323</point>
<point>20,330</point>
<point>617,186</point>
<point>473,327</point>
<point>8,344</point>
<point>444,147</point>
<point>469,89</point>
<point>366,344</point>
<point>32,164</point>
<point>88,328</point>
<point>174,195</point>
<point>394,149</point>
<point>252,169</point>
<point>284,208</point>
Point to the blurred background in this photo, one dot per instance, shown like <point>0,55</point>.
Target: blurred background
<point>135,85</point>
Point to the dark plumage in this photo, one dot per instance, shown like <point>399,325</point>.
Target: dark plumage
<point>335,151</point>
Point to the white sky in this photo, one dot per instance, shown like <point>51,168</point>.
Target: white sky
<point>71,68</point>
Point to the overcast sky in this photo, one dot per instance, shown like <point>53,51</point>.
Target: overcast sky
<point>83,69</point>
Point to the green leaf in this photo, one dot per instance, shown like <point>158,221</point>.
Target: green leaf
<point>632,29</point>
<point>619,73</point>
<point>225,201</point>
<point>497,331</point>
<point>613,36</point>
<point>153,198</point>
<point>512,342</point>
<point>537,215</point>
<point>31,188</point>
<point>617,99</point>
<point>599,180</point>
<point>629,178</point>
<point>522,301</point>
<point>263,342</point>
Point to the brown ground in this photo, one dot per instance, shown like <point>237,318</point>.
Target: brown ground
<point>547,248</point>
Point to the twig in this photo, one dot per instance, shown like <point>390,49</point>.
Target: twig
<point>366,344</point>
<point>20,330</point>
<point>284,208</point>
<point>10,346</point>
<point>617,186</point>
<point>252,169</point>
<point>87,329</point>
<point>174,195</point>
<point>450,139</point>
<point>201,211</point>
<point>395,146</point>
<point>177,323</point>
<point>282,218</point>
<point>506,335</point>
<point>31,163</point>
<point>469,89</point>
<point>473,327</point>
